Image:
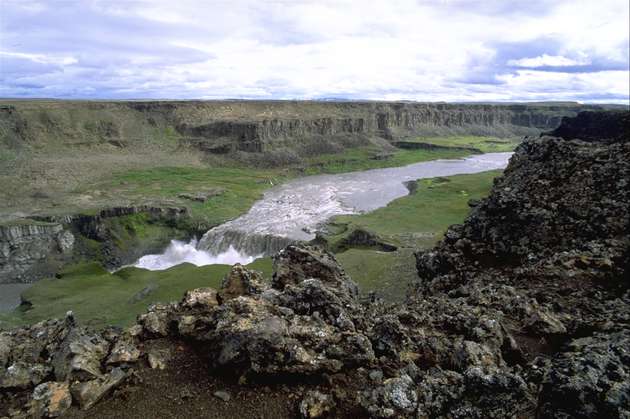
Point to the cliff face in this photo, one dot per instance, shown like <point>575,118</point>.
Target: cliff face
<point>31,249</point>
<point>595,126</point>
<point>254,126</point>
<point>28,251</point>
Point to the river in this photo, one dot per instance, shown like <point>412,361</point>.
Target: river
<point>294,210</point>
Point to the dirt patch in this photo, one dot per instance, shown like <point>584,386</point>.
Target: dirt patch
<point>186,389</point>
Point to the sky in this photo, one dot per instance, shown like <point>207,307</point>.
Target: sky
<point>421,50</point>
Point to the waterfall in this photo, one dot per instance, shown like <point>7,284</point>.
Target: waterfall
<point>180,252</point>
<point>220,239</point>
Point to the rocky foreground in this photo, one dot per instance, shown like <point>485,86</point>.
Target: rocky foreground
<point>522,311</point>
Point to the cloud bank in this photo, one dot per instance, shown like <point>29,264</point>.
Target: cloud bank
<point>425,50</point>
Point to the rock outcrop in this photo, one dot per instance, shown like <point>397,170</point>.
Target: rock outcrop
<point>547,257</point>
<point>31,249</point>
<point>46,366</point>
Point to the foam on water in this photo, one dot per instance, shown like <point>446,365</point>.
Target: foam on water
<point>179,252</point>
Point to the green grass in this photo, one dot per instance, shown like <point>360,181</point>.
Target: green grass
<point>368,158</point>
<point>413,222</point>
<point>387,273</point>
<point>242,187</point>
<point>99,298</point>
<point>484,144</point>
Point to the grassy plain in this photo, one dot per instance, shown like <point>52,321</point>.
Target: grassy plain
<point>484,144</point>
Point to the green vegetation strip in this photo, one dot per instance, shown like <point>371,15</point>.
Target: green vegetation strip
<point>367,158</point>
<point>483,144</point>
<point>99,298</point>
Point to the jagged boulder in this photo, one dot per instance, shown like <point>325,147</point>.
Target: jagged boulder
<point>307,321</point>
<point>52,363</point>
<point>50,400</point>
<point>79,356</point>
<point>200,297</point>
<point>241,281</point>
<point>88,393</point>
<point>297,263</point>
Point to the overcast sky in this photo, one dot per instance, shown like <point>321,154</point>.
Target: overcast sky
<point>425,50</point>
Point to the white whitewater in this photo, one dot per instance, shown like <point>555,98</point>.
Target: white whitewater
<point>295,210</point>
<point>179,252</point>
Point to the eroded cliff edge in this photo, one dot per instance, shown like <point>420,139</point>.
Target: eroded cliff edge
<point>523,310</point>
<point>256,126</point>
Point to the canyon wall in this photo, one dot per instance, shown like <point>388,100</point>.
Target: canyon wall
<point>32,249</point>
<point>255,126</point>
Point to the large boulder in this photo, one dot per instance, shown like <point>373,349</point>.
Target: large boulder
<point>90,392</point>
<point>294,264</point>
<point>304,323</point>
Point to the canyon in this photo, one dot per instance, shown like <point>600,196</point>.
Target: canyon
<point>54,152</point>
<point>522,310</point>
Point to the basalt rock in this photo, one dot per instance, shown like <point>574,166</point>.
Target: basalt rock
<point>241,281</point>
<point>50,400</point>
<point>88,393</point>
<point>595,126</point>
<point>591,378</point>
<point>316,405</point>
<point>303,323</point>
<point>296,263</point>
<point>545,258</point>
<point>31,249</point>
<point>44,363</point>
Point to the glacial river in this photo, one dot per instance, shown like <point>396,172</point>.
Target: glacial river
<point>294,210</point>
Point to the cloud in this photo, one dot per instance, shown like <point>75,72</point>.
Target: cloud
<point>547,61</point>
<point>424,50</point>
